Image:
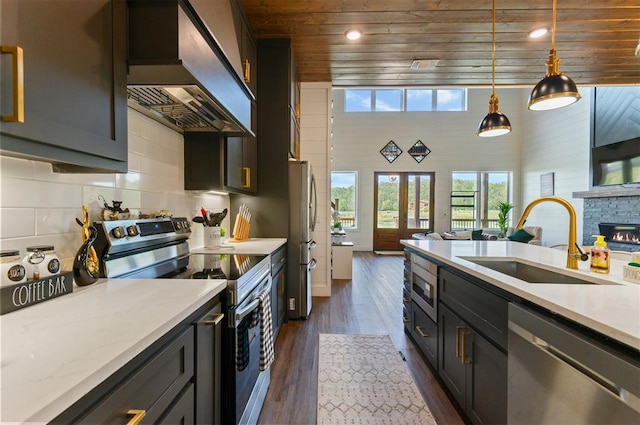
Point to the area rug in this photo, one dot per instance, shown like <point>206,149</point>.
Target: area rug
<point>362,379</point>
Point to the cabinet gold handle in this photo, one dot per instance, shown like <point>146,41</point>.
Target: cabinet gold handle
<point>463,354</point>
<point>405,319</point>
<point>247,71</point>
<point>247,177</point>
<point>18,83</point>
<point>406,300</point>
<point>217,318</point>
<point>421,332</point>
<point>137,416</point>
<point>458,329</point>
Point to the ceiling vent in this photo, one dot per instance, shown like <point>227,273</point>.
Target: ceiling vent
<point>424,64</point>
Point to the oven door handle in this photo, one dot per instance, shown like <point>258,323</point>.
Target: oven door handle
<point>241,314</point>
<point>245,311</point>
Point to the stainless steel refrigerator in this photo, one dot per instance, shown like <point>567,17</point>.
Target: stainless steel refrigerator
<point>302,219</point>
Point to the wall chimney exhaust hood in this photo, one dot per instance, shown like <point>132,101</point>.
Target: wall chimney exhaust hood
<point>179,74</point>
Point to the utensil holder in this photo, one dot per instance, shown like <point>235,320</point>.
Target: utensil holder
<point>212,237</point>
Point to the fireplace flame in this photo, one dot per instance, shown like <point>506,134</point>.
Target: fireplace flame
<point>625,237</point>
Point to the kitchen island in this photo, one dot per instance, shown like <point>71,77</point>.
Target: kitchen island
<point>517,337</point>
<point>56,352</point>
<point>611,308</point>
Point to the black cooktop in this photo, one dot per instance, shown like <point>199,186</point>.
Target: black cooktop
<point>219,266</point>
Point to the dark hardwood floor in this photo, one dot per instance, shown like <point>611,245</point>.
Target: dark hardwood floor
<point>368,304</point>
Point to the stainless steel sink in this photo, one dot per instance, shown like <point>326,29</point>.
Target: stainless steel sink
<point>530,273</point>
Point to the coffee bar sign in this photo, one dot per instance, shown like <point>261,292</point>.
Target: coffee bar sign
<point>21,295</point>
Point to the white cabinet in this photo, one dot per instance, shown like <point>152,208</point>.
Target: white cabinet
<point>342,256</point>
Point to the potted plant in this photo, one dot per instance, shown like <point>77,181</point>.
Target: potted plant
<point>503,217</point>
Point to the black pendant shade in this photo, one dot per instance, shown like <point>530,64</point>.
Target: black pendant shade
<point>495,123</point>
<point>553,91</point>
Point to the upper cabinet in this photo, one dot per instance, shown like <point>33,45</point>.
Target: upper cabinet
<point>68,59</point>
<point>278,118</point>
<point>247,46</point>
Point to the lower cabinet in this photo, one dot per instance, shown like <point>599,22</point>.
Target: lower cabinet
<point>406,292</point>
<point>473,369</point>
<point>278,288</point>
<point>425,334</point>
<point>175,380</point>
<point>153,390</point>
<point>208,367</point>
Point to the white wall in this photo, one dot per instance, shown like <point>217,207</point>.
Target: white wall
<point>315,131</point>
<point>451,136</point>
<point>555,142</point>
<point>38,206</point>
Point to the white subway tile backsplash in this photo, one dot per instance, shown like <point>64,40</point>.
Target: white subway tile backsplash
<point>17,222</point>
<point>53,221</point>
<point>39,207</point>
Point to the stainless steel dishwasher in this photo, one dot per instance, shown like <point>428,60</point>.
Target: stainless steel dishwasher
<point>559,375</point>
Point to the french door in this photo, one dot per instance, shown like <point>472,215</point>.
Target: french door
<point>403,205</point>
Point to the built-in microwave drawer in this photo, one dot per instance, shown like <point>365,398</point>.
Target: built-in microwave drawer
<point>424,291</point>
<point>422,262</point>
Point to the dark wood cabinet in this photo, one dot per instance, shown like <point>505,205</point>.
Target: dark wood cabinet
<point>473,369</point>
<point>425,333</point>
<point>278,288</point>
<point>407,315</point>
<point>153,388</point>
<point>208,363</point>
<point>75,111</point>
<point>472,349</point>
<point>215,162</point>
<point>247,46</point>
<point>241,166</point>
<point>278,82</point>
<point>478,303</point>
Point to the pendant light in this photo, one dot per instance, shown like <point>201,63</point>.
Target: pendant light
<point>555,90</point>
<point>495,123</point>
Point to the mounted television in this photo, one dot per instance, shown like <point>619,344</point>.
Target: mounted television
<point>617,163</point>
<point>615,135</point>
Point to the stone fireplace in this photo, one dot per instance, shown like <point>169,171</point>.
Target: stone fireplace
<point>616,209</point>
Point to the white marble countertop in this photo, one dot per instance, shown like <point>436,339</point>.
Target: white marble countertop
<point>611,308</point>
<point>263,246</point>
<point>55,352</point>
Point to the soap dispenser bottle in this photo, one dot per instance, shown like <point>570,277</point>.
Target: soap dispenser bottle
<point>600,258</point>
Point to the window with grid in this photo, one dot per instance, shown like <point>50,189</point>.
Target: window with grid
<point>475,196</point>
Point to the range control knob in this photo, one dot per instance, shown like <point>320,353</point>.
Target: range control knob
<point>133,230</point>
<point>118,232</point>
<point>178,225</point>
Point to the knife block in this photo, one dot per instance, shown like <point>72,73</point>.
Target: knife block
<point>240,229</point>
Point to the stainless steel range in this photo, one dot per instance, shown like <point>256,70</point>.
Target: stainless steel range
<point>159,248</point>
<point>245,382</point>
<point>144,248</point>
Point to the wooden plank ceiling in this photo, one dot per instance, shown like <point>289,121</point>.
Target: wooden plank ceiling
<point>596,40</point>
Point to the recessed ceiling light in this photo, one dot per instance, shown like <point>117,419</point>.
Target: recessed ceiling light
<point>538,32</point>
<point>353,34</point>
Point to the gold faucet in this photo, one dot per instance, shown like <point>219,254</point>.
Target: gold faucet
<point>573,253</point>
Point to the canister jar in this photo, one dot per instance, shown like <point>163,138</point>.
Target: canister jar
<point>41,261</point>
<point>12,269</point>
